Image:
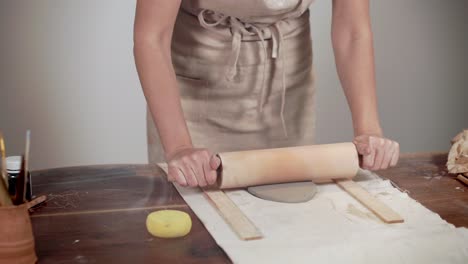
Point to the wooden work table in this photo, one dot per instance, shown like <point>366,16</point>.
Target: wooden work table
<point>96,214</point>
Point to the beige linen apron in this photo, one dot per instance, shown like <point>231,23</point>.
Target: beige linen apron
<point>244,70</point>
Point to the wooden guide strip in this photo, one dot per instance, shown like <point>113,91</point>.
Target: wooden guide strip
<point>380,209</point>
<point>236,219</point>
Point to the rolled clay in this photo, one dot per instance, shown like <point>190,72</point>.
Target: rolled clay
<point>317,163</point>
<point>291,192</point>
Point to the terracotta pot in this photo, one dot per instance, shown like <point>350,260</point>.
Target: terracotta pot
<point>16,235</point>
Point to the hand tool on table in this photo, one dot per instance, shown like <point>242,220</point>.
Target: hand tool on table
<point>4,196</point>
<point>463,179</point>
<point>22,180</point>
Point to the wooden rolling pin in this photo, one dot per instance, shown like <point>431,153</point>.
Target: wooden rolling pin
<point>317,163</point>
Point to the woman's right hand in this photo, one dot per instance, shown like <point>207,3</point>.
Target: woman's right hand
<point>193,167</point>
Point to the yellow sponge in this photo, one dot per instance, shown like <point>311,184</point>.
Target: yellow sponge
<point>168,223</point>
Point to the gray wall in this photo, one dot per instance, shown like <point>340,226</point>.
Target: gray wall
<point>67,73</point>
<point>422,72</point>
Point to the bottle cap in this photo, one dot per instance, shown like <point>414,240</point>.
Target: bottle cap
<point>13,164</point>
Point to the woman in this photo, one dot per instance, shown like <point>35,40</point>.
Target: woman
<point>225,75</point>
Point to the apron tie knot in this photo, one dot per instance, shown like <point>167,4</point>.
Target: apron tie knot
<point>239,29</point>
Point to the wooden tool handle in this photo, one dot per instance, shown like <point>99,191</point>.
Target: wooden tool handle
<point>463,179</point>
<point>4,196</point>
<point>36,201</point>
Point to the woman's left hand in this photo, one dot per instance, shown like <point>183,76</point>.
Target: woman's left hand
<point>378,153</point>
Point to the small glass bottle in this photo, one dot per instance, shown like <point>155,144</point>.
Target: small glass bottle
<point>13,165</point>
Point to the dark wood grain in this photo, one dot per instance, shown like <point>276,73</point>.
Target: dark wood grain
<point>119,237</point>
<point>103,187</point>
<point>426,179</point>
<point>96,214</point>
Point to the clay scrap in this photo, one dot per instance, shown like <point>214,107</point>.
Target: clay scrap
<point>457,161</point>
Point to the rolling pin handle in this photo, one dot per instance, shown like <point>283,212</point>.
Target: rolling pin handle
<point>219,170</point>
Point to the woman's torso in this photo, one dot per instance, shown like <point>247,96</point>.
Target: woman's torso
<point>226,73</point>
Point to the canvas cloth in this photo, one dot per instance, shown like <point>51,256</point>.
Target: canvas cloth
<point>334,227</point>
<point>244,70</point>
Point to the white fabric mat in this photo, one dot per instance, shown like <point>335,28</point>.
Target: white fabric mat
<point>335,228</point>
